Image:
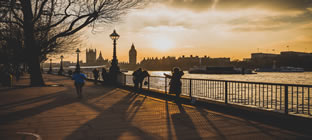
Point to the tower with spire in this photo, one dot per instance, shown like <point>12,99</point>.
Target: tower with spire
<point>100,60</point>
<point>132,56</point>
<point>93,60</point>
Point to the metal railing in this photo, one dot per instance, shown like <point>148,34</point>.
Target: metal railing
<point>285,98</point>
<point>291,99</point>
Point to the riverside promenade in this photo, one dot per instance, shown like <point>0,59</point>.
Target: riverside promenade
<point>55,113</point>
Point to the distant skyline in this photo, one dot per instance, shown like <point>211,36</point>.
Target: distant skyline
<point>216,28</point>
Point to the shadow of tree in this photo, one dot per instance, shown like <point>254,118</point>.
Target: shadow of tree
<point>61,98</point>
<point>29,101</point>
<point>113,122</point>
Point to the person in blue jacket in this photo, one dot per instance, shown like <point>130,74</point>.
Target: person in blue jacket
<point>79,82</point>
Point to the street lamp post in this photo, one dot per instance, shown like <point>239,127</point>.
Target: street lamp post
<point>77,65</point>
<point>114,69</point>
<point>61,67</point>
<point>50,69</point>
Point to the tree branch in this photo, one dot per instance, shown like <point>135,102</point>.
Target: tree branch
<point>14,22</point>
<point>40,11</point>
<point>70,29</point>
<point>16,17</point>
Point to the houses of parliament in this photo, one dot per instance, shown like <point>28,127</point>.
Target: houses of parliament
<point>93,60</point>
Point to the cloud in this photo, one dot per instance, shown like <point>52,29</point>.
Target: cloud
<point>306,27</point>
<point>267,4</point>
<point>280,5</point>
<point>270,22</point>
<point>158,16</point>
<point>248,19</point>
<point>197,5</point>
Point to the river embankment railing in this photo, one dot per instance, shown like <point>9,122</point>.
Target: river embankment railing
<point>293,99</point>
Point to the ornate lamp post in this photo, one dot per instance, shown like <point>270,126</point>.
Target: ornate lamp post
<point>114,69</point>
<point>61,67</point>
<point>77,65</point>
<point>50,69</point>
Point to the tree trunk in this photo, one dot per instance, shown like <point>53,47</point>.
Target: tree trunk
<point>32,48</point>
<point>36,78</point>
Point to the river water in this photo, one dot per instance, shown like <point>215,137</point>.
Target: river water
<point>304,78</point>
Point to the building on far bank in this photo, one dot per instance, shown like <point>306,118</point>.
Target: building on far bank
<point>298,54</point>
<point>90,56</point>
<point>286,58</point>
<point>132,55</point>
<point>185,63</point>
<point>101,60</point>
<point>132,64</point>
<point>255,56</point>
<point>91,59</point>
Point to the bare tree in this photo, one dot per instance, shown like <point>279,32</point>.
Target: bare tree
<point>46,22</point>
<point>65,45</point>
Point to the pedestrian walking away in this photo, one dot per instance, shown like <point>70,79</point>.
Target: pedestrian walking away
<point>175,82</point>
<point>104,76</point>
<point>79,82</point>
<point>95,75</point>
<point>70,72</point>
<point>136,74</point>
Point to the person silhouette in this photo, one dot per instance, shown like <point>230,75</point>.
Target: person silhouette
<point>141,78</point>
<point>79,82</point>
<point>70,72</point>
<point>175,82</point>
<point>95,75</point>
<point>104,75</point>
<point>136,74</point>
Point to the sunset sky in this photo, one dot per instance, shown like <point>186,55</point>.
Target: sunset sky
<point>216,28</point>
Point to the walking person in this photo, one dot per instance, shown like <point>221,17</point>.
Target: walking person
<point>95,75</point>
<point>17,74</point>
<point>175,82</point>
<point>141,78</point>
<point>79,82</point>
<point>70,72</point>
<point>104,75</point>
<point>136,74</point>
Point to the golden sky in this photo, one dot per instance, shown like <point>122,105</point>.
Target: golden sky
<point>216,28</point>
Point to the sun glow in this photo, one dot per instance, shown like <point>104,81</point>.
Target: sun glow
<point>162,44</point>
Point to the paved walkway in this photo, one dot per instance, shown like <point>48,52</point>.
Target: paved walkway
<point>111,113</point>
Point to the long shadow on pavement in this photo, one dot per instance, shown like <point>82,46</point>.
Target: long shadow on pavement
<point>183,125</point>
<point>113,122</point>
<point>61,98</point>
<point>29,101</point>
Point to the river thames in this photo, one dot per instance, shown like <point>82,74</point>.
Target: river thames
<point>304,78</point>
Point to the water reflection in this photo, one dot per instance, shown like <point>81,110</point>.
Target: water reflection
<point>271,77</point>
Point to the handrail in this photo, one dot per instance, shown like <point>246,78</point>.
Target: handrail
<point>283,84</point>
<point>287,98</point>
<point>294,99</point>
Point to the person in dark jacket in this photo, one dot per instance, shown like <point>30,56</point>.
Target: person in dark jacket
<point>136,74</point>
<point>141,78</point>
<point>95,75</point>
<point>70,72</point>
<point>175,82</point>
<point>104,75</point>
